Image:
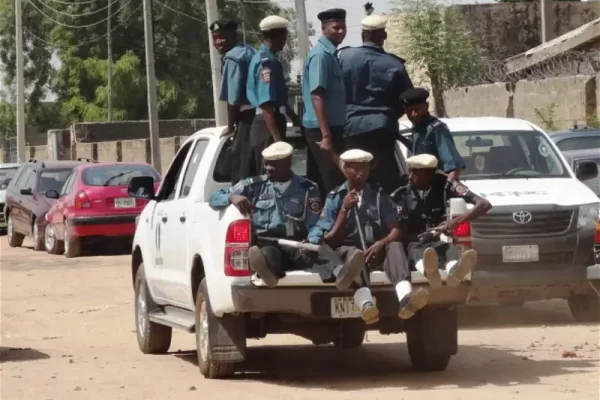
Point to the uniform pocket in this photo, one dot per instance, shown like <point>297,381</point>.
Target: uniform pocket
<point>263,209</point>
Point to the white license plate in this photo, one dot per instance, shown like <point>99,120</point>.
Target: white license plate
<point>345,307</point>
<point>125,202</point>
<point>517,254</point>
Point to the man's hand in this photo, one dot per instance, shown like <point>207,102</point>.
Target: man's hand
<point>451,225</point>
<point>241,203</point>
<point>326,145</point>
<point>350,200</point>
<point>228,130</point>
<point>374,251</point>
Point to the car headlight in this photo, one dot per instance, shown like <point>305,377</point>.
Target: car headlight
<point>589,214</point>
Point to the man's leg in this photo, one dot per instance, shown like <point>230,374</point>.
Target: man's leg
<point>331,266</point>
<point>331,176</point>
<point>266,261</point>
<point>457,266</point>
<point>426,261</point>
<point>395,266</point>
<point>259,139</point>
<point>243,157</point>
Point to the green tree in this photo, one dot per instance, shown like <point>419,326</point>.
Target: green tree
<point>437,42</point>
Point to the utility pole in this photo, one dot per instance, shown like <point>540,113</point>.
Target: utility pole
<point>243,21</point>
<point>20,82</point>
<point>109,61</point>
<point>151,84</point>
<point>302,31</point>
<point>212,15</point>
<point>547,11</point>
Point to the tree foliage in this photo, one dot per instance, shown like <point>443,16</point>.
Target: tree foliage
<point>438,44</point>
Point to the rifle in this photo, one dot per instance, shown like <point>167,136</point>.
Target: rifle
<point>364,273</point>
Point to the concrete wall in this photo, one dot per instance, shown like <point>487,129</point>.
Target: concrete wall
<point>564,101</point>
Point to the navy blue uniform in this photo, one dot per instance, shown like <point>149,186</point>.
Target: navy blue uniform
<point>234,67</point>
<point>432,136</point>
<point>266,85</point>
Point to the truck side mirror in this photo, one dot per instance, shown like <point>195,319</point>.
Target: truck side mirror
<point>586,170</point>
<point>141,187</point>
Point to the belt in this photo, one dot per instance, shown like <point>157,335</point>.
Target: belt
<point>281,110</point>
<point>246,107</point>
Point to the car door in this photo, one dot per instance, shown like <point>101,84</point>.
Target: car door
<point>61,207</point>
<point>25,204</point>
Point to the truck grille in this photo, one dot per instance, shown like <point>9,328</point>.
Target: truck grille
<point>542,222</point>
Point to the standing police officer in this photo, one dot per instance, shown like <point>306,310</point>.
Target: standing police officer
<point>266,89</point>
<point>430,135</point>
<point>374,81</point>
<point>240,113</point>
<point>422,207</point>
<point>324,99</point>
<point>284,205</point>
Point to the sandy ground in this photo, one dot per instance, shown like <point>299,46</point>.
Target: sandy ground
<point>68,333</point>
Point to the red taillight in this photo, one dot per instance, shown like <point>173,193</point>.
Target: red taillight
<point>82,200</point>
<point>597,236</point>
<point>463,230</point>
<point>237,244</point>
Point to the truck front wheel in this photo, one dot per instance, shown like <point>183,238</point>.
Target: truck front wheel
<point>210,368</point>
<point>432,338</point>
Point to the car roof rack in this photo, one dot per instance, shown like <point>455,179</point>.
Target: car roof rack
<point>85,159</point>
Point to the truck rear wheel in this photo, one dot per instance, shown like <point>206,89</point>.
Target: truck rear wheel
<point>152,338</point>
<point>210,368</point>
<point>585,307</point>
<point>432,337</point>
<point>351,335</point>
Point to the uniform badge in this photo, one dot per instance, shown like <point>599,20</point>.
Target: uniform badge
<point>265,75</point>
<point>460,189</point>
<point>315,204</point>
<point>399,209</point>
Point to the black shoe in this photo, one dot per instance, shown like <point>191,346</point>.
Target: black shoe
<point>258,263</point>
<point>350,270</point>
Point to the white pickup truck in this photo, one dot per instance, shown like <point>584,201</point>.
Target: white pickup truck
<point>190,271</point>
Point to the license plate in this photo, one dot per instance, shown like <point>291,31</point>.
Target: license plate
<point>517,254</point>
<point>124,202</point>
<point>345,307</point>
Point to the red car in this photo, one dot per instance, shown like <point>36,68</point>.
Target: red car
<point>94,204</point>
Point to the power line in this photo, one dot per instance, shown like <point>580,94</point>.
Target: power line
<point>85,14</point>
<point>77,26</point>
<point>179,12</point>
<point>76,3</point>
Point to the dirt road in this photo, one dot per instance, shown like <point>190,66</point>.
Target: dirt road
<point>68,333</point>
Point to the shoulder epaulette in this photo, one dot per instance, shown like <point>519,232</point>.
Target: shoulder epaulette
<point>258,179</point>
<point>306,183</point>
<point>402,60</point>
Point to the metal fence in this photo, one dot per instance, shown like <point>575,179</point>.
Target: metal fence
<point>8,147</point>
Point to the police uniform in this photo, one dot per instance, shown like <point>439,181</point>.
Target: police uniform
<point>266,85</point>
<point>432,136</point>
<point>422,210</point>
<point>374,80</point>
<point>375,212</point>
<point>322,72</point>
<point>234,68</point>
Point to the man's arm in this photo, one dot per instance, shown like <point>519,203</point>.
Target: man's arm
<point>314,207</point>
<point>267,96</point>
<point>389,219</point>
<point>221,198</point>
<point>450,160</point>
<point>232,90</point>
<point>481,205</point>
<point>403,83</point>
<point>325,223</point>
<point>318,85</point>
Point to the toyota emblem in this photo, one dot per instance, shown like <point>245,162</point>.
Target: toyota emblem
<point>522,217</point>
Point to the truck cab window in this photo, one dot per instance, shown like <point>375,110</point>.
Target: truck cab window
<point>192,167</point>
<point>169,186</point>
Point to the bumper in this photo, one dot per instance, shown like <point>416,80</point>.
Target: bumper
<point>561,268</point>
<point>316,302</point>
<point>109,225</point>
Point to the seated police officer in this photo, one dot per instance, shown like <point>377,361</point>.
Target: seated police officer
<point>430,135</point>
<point>284,205</point>
<point>422,207</point>
<point>378,221</point>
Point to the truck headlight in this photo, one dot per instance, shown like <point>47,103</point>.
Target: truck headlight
<point>589,214</point>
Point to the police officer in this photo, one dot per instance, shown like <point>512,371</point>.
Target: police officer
<point>374,81</point>
<point>324,99</point>
<point>284,205</point>
<point>267,91</point>
<point>240,113</point>
<point>422,208</point>
<point>430,135</point>
<point>338,227</point>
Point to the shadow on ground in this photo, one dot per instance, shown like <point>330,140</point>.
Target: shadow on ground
<point>8,354</point>
<point>378,365</point>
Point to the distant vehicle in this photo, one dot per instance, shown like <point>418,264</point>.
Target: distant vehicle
<point>577,138</point>
<point>576,157</point>
<point>7,172</point>
<point>94,204</point>
<point>26,203</point>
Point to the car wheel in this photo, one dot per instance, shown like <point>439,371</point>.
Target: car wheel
<point>14,239</point>
<point>51,243</point>
<point>352,334</point>
<point>209,368</point>
<point>72,245</point>
<point>38,238</point>
<point>585,308</point>
<point>152,338</point>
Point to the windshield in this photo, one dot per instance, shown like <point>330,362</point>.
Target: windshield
<point>7,173</point>
<point>579,143</point>
<point>53,179</point>
<point>116,175</point>
<point>507,155</point>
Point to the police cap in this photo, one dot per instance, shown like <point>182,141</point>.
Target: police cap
<point>422,161</point>
<point>373,22</point>
<point>223,25</point>
<point>414,96</point>
<point>356,155</point>
<point>333,14</point>
<point>273,22</point>
<point>277,151</point>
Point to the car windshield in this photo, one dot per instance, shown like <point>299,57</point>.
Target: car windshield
<point>116,175</point>
<point>7,173</point>
<point>53,179</point>
<point>508,155</point>
<point>579,143</point>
